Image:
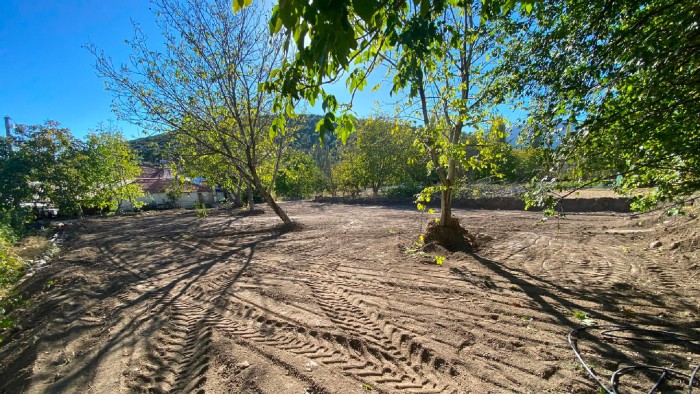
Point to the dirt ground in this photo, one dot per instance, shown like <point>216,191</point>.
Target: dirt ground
<point>169,302</point>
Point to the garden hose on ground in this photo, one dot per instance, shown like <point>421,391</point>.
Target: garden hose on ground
<point>644,335</point>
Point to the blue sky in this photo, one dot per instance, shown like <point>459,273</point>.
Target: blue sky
<point>45,74</point>
<point>44,71</point>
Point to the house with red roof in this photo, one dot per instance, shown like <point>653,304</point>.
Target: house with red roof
<point>165,190</point>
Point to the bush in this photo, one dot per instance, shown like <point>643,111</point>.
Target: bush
<point>11,266</point>
<point>299,177</point>
<point>404,190</point>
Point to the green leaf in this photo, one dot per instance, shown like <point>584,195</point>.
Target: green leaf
<point>240,4</point>
<point>275,21</point>
<point>365,9</point>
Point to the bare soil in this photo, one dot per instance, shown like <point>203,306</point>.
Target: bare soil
<point>169,302</point>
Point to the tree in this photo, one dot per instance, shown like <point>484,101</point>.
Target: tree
<point>386,149</point>
<point>56,166</point>
<point>440,53</point>
<point>111,169</point>
<point>15,187</point>
<point>616,85</point>
<point>204,86</point>
<point>348,173</point>
<point>381,153</point>
<point>300,176</point>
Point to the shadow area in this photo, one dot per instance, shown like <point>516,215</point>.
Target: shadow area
<point>118,283</point>
<point>605,352</point>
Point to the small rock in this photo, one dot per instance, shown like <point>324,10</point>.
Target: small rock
<point>243,365</point>
<point>547,372</point>
<point>674,245</point>
<point>310,366</point>
<point>655,244</point>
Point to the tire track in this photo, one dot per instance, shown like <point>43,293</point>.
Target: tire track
<point>390,358</point>
<point>176,358</point>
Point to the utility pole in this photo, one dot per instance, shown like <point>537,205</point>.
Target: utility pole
<point>9,133</point>
<point>7,127</point>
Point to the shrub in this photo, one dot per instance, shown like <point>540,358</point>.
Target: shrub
<point>11,266</point>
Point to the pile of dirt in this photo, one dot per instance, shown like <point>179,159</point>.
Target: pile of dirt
<point>452,236</point>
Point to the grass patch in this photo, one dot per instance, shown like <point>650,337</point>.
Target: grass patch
<point>11,267</point>
<point>32,247</point>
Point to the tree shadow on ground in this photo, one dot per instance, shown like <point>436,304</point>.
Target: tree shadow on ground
<point>115,275</point>
<point>539,290</point>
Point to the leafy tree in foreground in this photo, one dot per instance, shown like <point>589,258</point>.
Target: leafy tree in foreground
<point>204,86</point>
<point>618,84</point>
<point>440,54</point>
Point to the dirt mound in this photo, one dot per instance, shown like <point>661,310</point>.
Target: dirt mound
<point>452,237</point>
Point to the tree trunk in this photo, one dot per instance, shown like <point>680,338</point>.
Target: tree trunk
<point>375,190</point>
<point>273,204</point>
<point>251,199</point>
<point>268,197</point>
<point>277,164</point>
<point>446,207</point>
<point>275,207</point>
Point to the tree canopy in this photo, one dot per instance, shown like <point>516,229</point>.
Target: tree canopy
<point>111,169</point>
<point>204,86</point>
<point>439,53</point>
<point>46,166</point>
<point>617,85</point>
<point>611,86</point>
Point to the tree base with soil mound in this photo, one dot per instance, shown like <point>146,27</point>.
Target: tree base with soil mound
<point>451,236</point>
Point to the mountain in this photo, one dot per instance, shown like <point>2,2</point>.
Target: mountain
<point>153,149</point>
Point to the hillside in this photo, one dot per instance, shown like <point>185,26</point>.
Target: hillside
<point>153,149</point>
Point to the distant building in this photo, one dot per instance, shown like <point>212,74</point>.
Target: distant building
<point>160,186</point>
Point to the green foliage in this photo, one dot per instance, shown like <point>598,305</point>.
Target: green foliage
<point>299,176</point>
<point>439,54</point>
<point>11,266</point>
<point>348,173</point>
<point>326,39</point>
<point>175,188</point>
<point>48,167</point>
<point>615,85</point>
<point>580,315</point>
<point>202,211</point>
<point>153,149</point>
<point>203,86</point>
<point>15,175</point>
<point>112,167</point>
<point>382,152</point>
<point>11,269</point>
<point>57,165</point>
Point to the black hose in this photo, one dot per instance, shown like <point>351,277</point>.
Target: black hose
<point>615,332</point>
